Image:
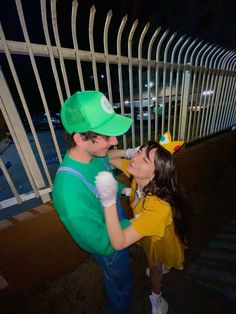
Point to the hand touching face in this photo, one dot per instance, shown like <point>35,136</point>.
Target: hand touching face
<point>142,166</point>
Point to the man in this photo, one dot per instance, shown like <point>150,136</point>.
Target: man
<point>92,125</point>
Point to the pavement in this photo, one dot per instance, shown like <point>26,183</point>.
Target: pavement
<point>49,274</point>
<point>3,146</point>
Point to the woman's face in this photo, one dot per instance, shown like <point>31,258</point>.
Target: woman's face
<point>142,167</point>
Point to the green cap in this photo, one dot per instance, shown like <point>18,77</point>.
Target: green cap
<point>91,111</point>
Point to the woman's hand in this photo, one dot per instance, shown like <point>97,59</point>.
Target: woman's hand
<point>107,188</point>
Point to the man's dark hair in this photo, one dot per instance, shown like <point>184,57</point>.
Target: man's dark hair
<point>87,136</point>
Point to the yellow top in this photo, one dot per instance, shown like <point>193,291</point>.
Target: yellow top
<point>154,222</point>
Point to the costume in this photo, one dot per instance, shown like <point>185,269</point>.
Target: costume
<point>82,214</point>
<point>154,222</point>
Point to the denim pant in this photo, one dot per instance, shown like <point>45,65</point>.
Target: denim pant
<point>117,277</point>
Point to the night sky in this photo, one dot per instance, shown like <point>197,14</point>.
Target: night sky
<point>209,20</point>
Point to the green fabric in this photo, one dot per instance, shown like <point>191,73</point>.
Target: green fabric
<point>92,111</point>
<point>78,208</point>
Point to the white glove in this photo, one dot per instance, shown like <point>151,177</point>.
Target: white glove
<point>126,191</point>
<point>107,188</point>
<point>131,151</point>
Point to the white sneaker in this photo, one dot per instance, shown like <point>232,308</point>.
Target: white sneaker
<point>159,304</point>
<point>164,270</point>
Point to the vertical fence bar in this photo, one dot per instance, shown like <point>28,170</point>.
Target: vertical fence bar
<point>177,85</point>
<point>58,44</point>
<point>118,46</point>
<point>49,46</point>
<point>229,95</point>
<point>91,44</point>
<point>223,93</point>
<point>171,80</point>
<point>192,70</point>
<point>183,111</point>
<point>213,87</point>
<point>209,88</point>
<point>164,84</point>
<point>140,80</point>
<point>219,89</point>
<point>198,78</point>
<point>130,40</point>
<point>75,42</point>
<point>232,97</point>
<point>225,90</point>
<point>105,44</point>
<point>157,79</point>
<point>202,75</point>
<point>232,115</point>
<point>204,88</point>
<point>150,46</point>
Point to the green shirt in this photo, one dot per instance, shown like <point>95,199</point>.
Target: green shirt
<point>79,209</point>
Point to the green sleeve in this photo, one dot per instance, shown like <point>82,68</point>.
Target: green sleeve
<point>94,240</point>
<point>84,220</point>
<point>125,223</point>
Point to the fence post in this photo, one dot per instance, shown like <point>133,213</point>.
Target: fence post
<point>184,107</point>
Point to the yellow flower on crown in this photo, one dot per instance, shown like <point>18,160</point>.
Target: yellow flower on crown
<point>171,146</point>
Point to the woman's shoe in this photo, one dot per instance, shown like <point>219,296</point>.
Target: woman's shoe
<point>159,304</point>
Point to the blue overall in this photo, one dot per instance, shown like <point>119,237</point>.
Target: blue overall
<point>116,268</point>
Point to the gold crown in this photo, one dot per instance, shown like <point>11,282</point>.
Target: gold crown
<point>171,146</point>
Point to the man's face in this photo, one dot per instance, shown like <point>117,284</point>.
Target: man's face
<point>100,146</point>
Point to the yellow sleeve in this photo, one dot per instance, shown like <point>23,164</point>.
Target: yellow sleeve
<point>124,164</point>
<point>155,218</point>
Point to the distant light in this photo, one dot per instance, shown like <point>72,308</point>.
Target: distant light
<point>208,92</point>
<point>150,84</point>
<point>126,102</point>
<point>154,98</point>
<point>102,76</point>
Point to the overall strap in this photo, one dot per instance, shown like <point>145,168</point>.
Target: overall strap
<point>106,164</point>
<point>79,175</point>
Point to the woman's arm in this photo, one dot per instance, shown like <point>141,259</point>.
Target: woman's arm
<point>120,238</point>
<point>115,156</point>
<point>107,189</point>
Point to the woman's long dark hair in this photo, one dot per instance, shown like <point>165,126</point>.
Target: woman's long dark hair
<point>166,187</point>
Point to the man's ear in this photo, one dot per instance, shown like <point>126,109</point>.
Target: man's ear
<point>78,138</point>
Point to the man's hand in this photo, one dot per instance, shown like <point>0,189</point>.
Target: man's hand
<point>107,188</point>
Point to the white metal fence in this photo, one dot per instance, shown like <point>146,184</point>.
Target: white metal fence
<point>163,81</point>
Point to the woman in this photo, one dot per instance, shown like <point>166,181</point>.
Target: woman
<point>159,223</point>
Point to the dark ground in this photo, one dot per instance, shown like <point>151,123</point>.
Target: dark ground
<point>213,205</point>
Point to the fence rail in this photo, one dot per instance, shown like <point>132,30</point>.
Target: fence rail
<point>163,81</point>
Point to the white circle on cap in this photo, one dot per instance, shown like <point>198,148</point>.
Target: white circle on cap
<point>106,106</point>
<point>164,139</point>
